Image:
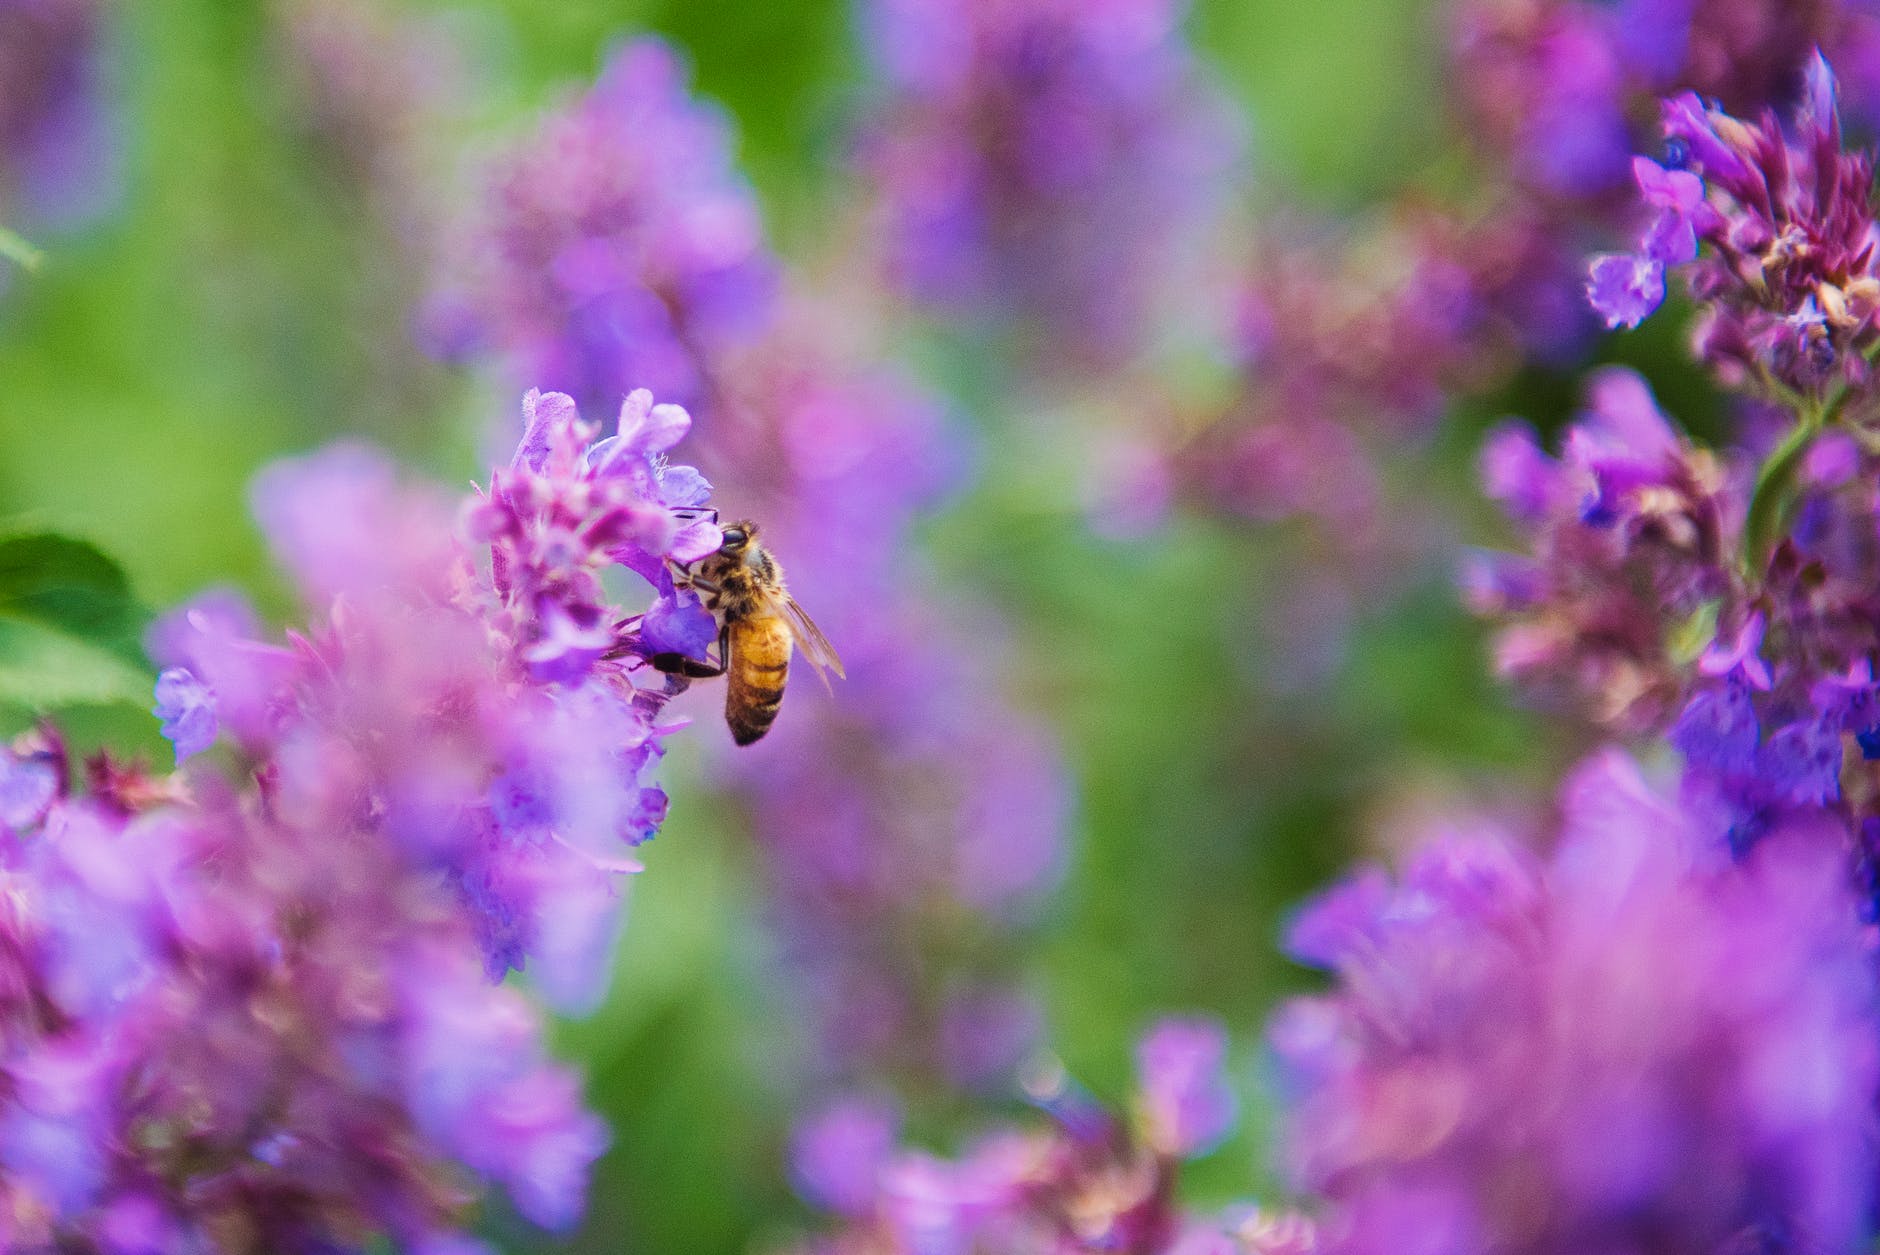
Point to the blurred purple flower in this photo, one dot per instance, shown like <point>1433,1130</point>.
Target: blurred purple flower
<point>614,246</point>
<point>1187,1104</point>
<point>917,807</point>
<point>1042,160</point>
<point>837,1154</point>
<point>29,784</point>
<point>60,164</point>
<point>187,708</point>
<point>1637,1043</point>
<point>1083,1183</point>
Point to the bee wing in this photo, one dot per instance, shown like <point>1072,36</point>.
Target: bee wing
<point>809,638</point>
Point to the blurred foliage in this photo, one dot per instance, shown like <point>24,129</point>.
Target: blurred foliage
<point>68,625</point>
<point>230,312</point>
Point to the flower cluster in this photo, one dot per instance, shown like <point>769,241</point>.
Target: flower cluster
<point>244,1023</point>
<point>1634,1044</point>
<point>1776,231</point>
<point>491,716</point>
<point>58,158</point>
<point>613,247</point>
<point>1660,1035</point>
<point>1633,536</point>
<point>1724,599</point>
<point>1044,159</point>
<point>268,1018</point>
<point>1089,1181</point>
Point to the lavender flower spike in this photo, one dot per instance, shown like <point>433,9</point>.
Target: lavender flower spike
<point>1785,223</point>
<point>1041,160</point>
<point>614,247</point>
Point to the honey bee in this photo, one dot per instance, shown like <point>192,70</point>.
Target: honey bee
<point>759,623</point>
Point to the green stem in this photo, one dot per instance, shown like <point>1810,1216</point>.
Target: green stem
<point>17,250</point>
<point>1771,493</point>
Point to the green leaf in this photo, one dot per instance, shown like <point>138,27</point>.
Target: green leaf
<point>69,624</point>
<point>41,668</point>
<point>72,586</point>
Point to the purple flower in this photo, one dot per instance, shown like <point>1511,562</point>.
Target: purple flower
<point>214,637</point>
<point>341,524</point>
<point>1631,534</point>
<point>1576,138</point>
<point>479,1085</point>
<point>1517,472</point>
<point>1187,1104</point>
<point>1832,460</point>
<point>499,718</point>
<point>1677,196</point>
<point>287,986</point>
<point>187,708</point>
<point>838,1153</point>
<point>53,1132</point>
<point>1738,656</point>
<point>678,623</point>
<point>566,649</point>
<point>1625,289</point>
<point>1718,730</point>
<point>567,508</point>
<point>265,1009</point>
<point>29,784</point>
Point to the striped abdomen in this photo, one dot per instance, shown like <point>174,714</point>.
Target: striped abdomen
<point>760,663</point>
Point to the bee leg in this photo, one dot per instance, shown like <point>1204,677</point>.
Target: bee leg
<point>691,668</point>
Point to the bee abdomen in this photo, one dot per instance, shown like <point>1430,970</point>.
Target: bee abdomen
<point>760,666</point>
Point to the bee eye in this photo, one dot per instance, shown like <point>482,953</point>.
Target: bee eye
<point>734,539</point>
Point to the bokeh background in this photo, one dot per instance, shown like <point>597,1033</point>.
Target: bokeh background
<point>247,294</point>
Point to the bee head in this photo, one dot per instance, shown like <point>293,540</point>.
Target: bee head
<point>738,537</point>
